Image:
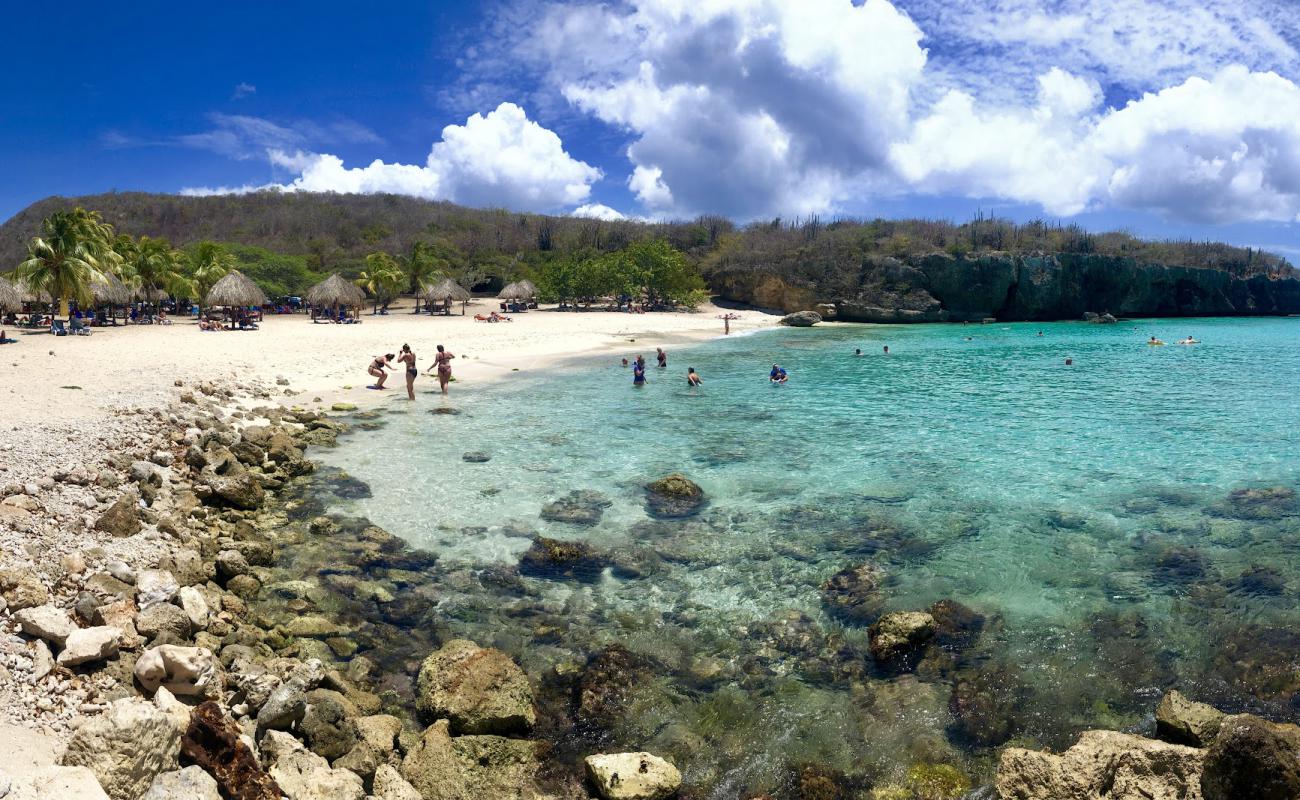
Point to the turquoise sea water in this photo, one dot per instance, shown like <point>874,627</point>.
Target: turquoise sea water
<point>1083,510</point>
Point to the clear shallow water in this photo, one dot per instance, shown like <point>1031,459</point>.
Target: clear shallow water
<point>1081,509</point>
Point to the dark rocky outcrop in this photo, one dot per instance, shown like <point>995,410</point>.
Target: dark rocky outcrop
<point>940,288</point>
<point>579,507</point>
<point>122,518</point>
<point>554,559</point>
<point>854,593</point>
<point>212,742</point>
<point>674,496</point>
<point>1253,758</point>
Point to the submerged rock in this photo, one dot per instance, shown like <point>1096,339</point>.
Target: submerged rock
<point>1272,502</point>
<point>632,776</point>
<point>987,704</point>
<point>854,593</point>
<point>552,558</point>
<point>579,507</point>
<point>1103,764</point>
<point>898,639</point>
<point>1253,758</point>
<point>674,496</point>
<point>479,690</point>
<point>607,688</point>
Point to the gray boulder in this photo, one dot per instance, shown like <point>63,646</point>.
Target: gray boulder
<point>45,622</point>
<point>801,319</point>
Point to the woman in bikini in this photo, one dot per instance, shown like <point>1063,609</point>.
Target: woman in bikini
<point>442,362</point>
<point>408,358</point>
<point>377,370</point>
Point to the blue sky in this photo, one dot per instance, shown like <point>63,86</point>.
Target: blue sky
<point>1168,117</point>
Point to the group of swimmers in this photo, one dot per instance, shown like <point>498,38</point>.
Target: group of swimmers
<point>1154,342</point>
<point>441,362</point>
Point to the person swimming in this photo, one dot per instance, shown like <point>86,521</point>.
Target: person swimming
<point>693,378</point>
<point>857,351</point>
<point>1189,340</point>
<point>638,372</point>
<point>886,349</point>
<point>376,369</point>
<point>1153,341</point>
<point>777,375</point>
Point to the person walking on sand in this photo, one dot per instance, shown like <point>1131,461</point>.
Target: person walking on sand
<point>662,357</point>
<point>693,378</point>
<point>442,362</point>
<point>377,370</point>
<point>408,358</point>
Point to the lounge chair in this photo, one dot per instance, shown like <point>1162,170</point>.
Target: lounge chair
<point>56,328</point>
<point>80,328</point>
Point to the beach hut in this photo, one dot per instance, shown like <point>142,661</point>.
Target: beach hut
<point>447,291</point>
<point>334,292</point>
<point>109,290</point>
<point>235,291</point>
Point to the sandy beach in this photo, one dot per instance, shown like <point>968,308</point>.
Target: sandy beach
<point>71,381</point>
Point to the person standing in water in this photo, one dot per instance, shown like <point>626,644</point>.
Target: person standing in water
<point>638,372</point>
<point>408,358</point>
<point>886,349</point>
<point>857,351</point>
<point>377,370</point>
<point>640,362</point>
<point>662,357</point>
<point>442,362</point>
<point>692,378</point>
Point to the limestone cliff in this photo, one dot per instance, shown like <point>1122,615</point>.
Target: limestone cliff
<point>939,288</point>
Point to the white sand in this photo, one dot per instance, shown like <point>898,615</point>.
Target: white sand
<point>138,365</point>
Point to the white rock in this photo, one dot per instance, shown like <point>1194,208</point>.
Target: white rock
<point>42,660</point>
<point>120,570</point>
<point>90,644</point>
<point>191,783</point>
<point>303,775</point>
<point>178,712</point>
<point>155,586</point>
<point>196,607</point>
<point>633,776</point>
<point>46,622</point>
<point>182,670</point>
<point>126,748</point>
<point>162,458</point>
<point>390,785</point>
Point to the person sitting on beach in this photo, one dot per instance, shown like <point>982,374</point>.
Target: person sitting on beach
<point>662,357</point>
<point>376,369</point>
<point>777,375</point>
<point>638,372</point>
<point>693,378</point>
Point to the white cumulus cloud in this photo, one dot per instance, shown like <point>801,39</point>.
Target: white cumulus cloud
<point>498,159</point>
<point>597,211</point>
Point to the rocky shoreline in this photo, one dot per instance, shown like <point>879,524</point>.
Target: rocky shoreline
<point>181,620</point>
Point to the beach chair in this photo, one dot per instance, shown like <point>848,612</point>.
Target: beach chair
<point>56,328</point>
<point>80,328</point>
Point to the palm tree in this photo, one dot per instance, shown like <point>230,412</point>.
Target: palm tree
<point>209,263</point>
<point>73,252</point>
<point>152,265</point>
<point>423,265</point>
<point>383,278</point>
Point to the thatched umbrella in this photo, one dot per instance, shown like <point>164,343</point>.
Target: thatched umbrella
<point>110,291</point>
<point>519,290</point>
<point>335,291</point>
<point>11,298</point>
<point>235,290</point>
<point>447,290</point>
<point>151,294</point>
